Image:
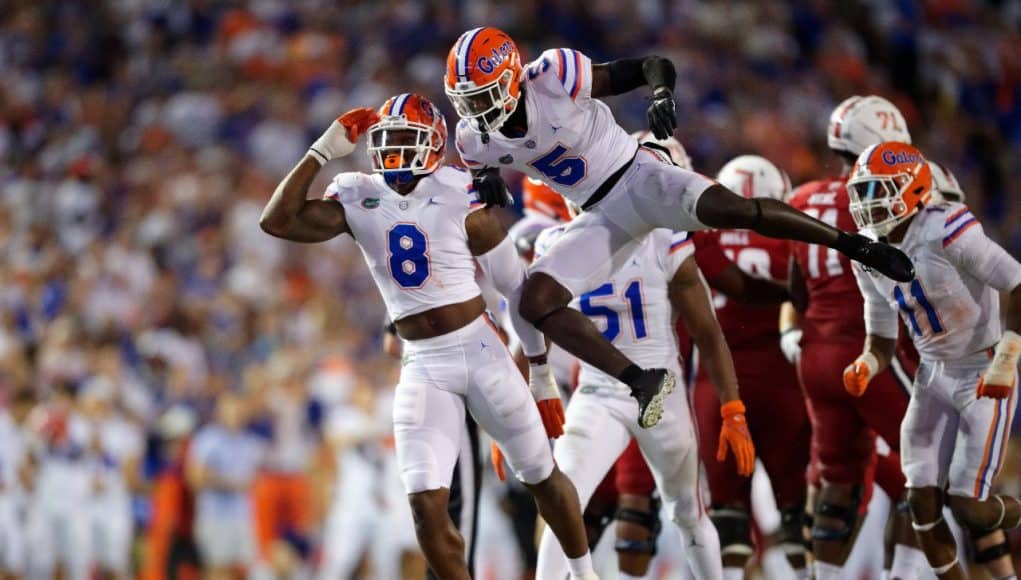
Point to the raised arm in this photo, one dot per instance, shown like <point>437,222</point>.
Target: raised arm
<point>289,214</point>
<point>627,74</point>
<point>690,300</point>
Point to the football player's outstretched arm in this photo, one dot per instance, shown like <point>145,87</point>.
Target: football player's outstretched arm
<point>689,297</point>
<point>289,214</point>
<point>496,254</point>
<point>627,74</point>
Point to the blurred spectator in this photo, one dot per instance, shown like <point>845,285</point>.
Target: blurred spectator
<point>221,467</point>
<point>117,450</point>
<point>171,551</point>
<point>141,139</point>
<point>58,528</point>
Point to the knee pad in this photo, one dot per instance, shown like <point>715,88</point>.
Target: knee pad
<point>792,541</point>
<point>847,514</point>
<point>733,528</point>
<point>648,520</point>
<point>990,554</point>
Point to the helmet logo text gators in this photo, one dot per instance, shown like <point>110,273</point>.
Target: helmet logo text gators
<point>488,63</point>
<point>894,157</point>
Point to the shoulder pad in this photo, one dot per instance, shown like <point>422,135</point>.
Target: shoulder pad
<point>469,144</point>
<point>349,186</point>
<point>948,221</point>
<point>546,238</point>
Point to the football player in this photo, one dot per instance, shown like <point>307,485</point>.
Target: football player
<point>778,420</point>
<point>635,309</point>
<point>545,120</point>
<point>422,231</point>
<point>954,434</point>
<point>830,332</point>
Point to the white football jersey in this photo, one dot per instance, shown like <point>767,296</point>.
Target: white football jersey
<point>416,245</point>
<point>573,143</point>
<point>119,441</point>
<point>632,309</point>
<point>951,308</point>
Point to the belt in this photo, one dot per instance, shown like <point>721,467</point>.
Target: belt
<point>607,185</point>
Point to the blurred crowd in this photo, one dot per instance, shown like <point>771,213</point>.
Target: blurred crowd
<point>141,138</point>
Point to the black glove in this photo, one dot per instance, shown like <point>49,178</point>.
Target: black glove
<point>490,188</point>
<point>661,114</point>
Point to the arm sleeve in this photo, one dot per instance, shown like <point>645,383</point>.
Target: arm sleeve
<point>506,271</point>
<point>709,254</point>
<point>967,247</point>
<point>880,317</point>
<point>570,69</point>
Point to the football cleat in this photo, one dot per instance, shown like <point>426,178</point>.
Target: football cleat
<point>650,389</point>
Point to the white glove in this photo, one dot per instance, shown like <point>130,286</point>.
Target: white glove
<point>341,136</point>
<point>790,344</point>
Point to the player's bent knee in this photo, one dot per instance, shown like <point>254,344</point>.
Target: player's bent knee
<point>541,296</point>
<point>646,522</point>
<point>836,513</point>
<point>976,515</point>
<point>718,207</point>
<point>925,505</point>
<point>733,528</point>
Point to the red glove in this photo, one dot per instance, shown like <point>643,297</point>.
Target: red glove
<point>552,413</point>
<point>735,436</point>
<point>496,457</point>
<point>858,374</point>
<point>547,398</point>
<point>340,137</point>
<point>999,379</point>
<point>358,121</point>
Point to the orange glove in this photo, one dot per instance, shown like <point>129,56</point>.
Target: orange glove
<point>858,374</point>
<point>547,398</point>
<point>340,137</point>
<point>735,435</point>
<point>998,380</point>
<point>496,456</point>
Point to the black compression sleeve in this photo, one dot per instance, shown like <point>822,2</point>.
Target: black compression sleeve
<point>625,75</point>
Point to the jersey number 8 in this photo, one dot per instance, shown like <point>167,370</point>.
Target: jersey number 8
<point>408,255</point>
